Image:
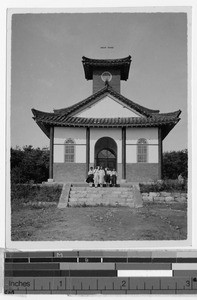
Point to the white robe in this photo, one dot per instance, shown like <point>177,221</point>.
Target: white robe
<point>101,176</point>
<point>96,177</point>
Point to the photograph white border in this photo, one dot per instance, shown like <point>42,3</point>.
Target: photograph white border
<point>96,244</point>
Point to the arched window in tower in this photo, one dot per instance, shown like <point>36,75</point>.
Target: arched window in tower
<point>142,151</point>
<point>69,154</point>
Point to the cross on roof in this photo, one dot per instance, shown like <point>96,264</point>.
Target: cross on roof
<point>107,47</point>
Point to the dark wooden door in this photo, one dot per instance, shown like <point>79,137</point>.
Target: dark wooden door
<point>106,158</point>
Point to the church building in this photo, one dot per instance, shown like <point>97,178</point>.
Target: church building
<point>106,129</point>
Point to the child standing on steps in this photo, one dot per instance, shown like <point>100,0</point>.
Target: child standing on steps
<point>107,176</point>
<point>101,176</point>
<point>96,177</point>
<point>113,177</point>
<point>90,178</point>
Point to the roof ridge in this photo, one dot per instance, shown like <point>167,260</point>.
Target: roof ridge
<point>145,112</point>
<point>81,102</point>
<point>139,108</point>
<point>170,115</point>
<point>87,59</point>
<point>134,103</point>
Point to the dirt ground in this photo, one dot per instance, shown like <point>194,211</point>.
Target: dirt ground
<point>150,222</point>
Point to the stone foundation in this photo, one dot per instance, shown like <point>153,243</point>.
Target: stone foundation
<point>164,197</point>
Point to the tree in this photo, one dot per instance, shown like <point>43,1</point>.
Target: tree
<point>29,164</point>
<point>175,163</point>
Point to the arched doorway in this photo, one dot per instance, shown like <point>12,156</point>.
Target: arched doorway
<point>106,153</point>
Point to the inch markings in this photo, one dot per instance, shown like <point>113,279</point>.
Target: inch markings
<point>71,284</point>
<point>100,272</point>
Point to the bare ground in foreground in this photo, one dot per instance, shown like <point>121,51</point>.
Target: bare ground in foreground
<point>150,222</point>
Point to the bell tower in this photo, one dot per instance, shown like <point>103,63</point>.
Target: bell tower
<point>106,71</point>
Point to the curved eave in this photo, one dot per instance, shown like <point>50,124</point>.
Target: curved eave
<point>165,121</point>
<point>44,127</point>
<point>96,124</point>
<point>167,128</point>
<point>174,114</point>
<point>39,113</point>
<point>122,63</point>
<point>111,60</point>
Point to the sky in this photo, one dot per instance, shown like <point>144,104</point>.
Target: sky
<point>47,72</point>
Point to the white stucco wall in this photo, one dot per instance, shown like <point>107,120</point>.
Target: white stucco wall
<point>62,133</point>
<point>108,107</point>
<point>132,136</point>
<point>131,154</point>
<point>78,135</point>
<point>58,153</point>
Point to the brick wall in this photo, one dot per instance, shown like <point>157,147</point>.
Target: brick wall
<point>69,172</point>
<point>76,172</point>
<point>119,170</point>
<point>98,83</point>
<point>142,172</point>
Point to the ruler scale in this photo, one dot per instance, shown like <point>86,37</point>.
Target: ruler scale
<point>101,272</point>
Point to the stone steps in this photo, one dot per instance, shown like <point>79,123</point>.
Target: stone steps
<point>99,190</point>
<point>104,196</point>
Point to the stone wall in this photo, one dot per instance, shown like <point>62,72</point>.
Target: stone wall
<point>164,197</point>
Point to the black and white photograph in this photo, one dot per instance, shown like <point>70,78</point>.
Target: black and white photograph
<point>98,115</point>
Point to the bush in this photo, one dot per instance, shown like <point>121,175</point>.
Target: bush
<point>29,165</point>
<point>175,163</point>
<point>23,193</point>
<point>164,185</point>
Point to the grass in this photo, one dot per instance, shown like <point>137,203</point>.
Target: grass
<point>38,222</point>
<point>168,185</point>
<point>150,222</point>
<point>34,193</point>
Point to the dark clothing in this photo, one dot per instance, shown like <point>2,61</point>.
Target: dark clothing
<point>107,178</point>
<point>90,178</point>
<point>113,179</point>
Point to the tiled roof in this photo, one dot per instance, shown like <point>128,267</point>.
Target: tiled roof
<point>109,61</point>
<point>166,121</point>
<point>122,63</point>
<point>65,117</point>
<point>98,95</point>
<point>62,120</point>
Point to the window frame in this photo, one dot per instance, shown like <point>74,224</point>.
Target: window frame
<point>69,142</point>
<point>142,150</point>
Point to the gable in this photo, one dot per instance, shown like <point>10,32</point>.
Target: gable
<point>107,107</point>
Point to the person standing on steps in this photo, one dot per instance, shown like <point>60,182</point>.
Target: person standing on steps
<point>101,176</point>
<point>96,177</point>
<point>90,178</point>
<point>113,177</point>
<point>107,177</point>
